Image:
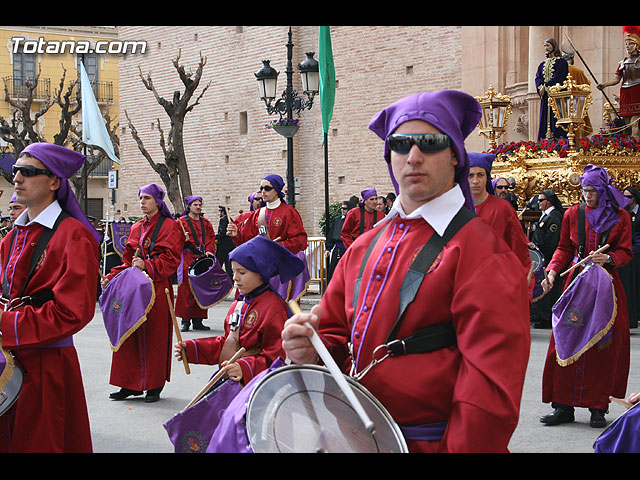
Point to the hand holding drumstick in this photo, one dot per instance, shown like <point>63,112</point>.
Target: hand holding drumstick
<point>597,257</point>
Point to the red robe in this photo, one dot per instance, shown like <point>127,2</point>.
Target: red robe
<point>351,226</point>
<point>500,215</point>
<point>50,414</point>
<point>599,372</point>
<point>143,362</point>
<point>261,322</point>
<point>283,222</point>
<point>186,306</point>
<point>475,386</point>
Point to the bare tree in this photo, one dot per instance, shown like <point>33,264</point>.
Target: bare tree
<point>174,172</point>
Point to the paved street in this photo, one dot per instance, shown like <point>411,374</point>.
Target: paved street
<point>132,426</point>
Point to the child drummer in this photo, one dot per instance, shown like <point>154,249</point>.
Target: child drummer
<point>255,319</point>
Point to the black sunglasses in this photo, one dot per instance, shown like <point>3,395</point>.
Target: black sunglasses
<point>266,188</point>
<point>29,170</point>
<point>426,142</point>
<point>502,187</point>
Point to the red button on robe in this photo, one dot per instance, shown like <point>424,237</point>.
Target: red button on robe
<point>143,362</point>
<point>50,414</point>
<point>477,284</point>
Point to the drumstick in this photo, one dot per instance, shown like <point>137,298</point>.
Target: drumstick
<point>177,329</point>
<point>529,274</point>
<point>216,377</point>
<point>600,250</point>
<point>337,375</point>
<point>622,402</point>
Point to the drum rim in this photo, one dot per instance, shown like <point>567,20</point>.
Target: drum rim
<point>18,376</point>
<point>401,441</point>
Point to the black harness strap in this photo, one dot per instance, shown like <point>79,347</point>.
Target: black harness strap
<point>436,336</point>
<point>154,236</point>
<point>375,219</point>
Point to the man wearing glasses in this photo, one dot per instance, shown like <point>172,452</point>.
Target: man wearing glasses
<point>461,392</point>
<point>602,370</point>
<point>278,221</point>
<point>45,308</point>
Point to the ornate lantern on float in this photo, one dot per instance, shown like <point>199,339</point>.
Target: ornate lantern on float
<point>570,103</point>
<point>496,109</point>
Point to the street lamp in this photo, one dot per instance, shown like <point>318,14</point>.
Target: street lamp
<point>496,109</point>
<point>289,102</point>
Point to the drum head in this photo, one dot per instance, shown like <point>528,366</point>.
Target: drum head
<point>301,409</point>
<point>201,266</point>
<point>536,258</point>
<point>9,394</point>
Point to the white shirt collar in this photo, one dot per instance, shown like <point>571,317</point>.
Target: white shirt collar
<point>437,212</point>
<point>548,210</point>
<point>635,209</point>
<point>47,217</point>
<point>275,204</point>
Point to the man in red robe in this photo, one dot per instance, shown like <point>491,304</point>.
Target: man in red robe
<point>281,223</point>
<point>50,414</point>
<point>498,213</point>
<point>603,369</point>
<point>460,395</point>
<point>361,219</point>
<point>200,240</point>
<point>143,362</point>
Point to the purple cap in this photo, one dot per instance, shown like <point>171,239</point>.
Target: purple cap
<point>63,163</point>
<point>250,199</point>
<point>604,216</point>
<point>268,259</point>
<point>366,194</point>
<point>277,183</point>
<point>158,195</point>
<point>485,161</point>
<point>188,201</point>
<point>454,113</point>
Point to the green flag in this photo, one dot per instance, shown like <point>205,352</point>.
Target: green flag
<point>327,77</point>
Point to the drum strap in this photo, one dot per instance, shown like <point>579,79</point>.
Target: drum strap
<point>263,228</point>
<point>154,236</point>
<point>375,218</point>
<point>582,235</point>
<point>46,235</point>
<point>436,336</point>
<point>198,244</point>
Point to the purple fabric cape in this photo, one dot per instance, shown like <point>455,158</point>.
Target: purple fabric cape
<point>230,436</point>
<point>63,163</point>
<point>366,194</point>
<point>452,112</point>
<point>294,288</point>
<point>604,216</point>
<point>621,436</point>
<point>124,303</point>
<point>584,314</point>
<point>208,282</point>
<point>190,430</point>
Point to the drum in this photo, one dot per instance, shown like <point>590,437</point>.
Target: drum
<point>537,260</point>
<point>584,314</point>
<point>11,378</point>
<point>125,303</point>
<point>621,436</point>
<point>208,281</point>
<point>301,409</point>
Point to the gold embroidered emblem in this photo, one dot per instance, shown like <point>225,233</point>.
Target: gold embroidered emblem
<point>277,221</point>
<point>251,318</point>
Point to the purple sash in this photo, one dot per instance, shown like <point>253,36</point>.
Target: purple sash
<point>295,288</point>
<point>584,314</point>
<point>124,303</point>
<point>230,436</point>
<point>432,432</point>
<point>621,436</point>
<point>209,283</point>
<point>190,430</point>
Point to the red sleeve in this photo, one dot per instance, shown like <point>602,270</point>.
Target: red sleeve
<point>350,228</point>
<point>204,350</point>
<point>294,234</point>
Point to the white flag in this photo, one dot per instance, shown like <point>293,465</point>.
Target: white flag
<point>94,131</point>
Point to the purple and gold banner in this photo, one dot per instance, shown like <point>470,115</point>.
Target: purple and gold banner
<point>584,314</point>
<point>120,235</point>
<point>124,303</point>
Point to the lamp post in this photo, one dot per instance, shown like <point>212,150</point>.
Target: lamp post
<point>570,103</point>
<point>289,102</point>
<point>496,109</point>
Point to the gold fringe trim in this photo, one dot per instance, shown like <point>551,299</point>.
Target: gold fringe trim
<point>597,337</point>
<point>7,374</point>
<point>533,300</point>
<point>142,319</point>
<point>213,304</point>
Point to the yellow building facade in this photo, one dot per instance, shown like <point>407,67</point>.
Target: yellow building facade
<point>26,51</point>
